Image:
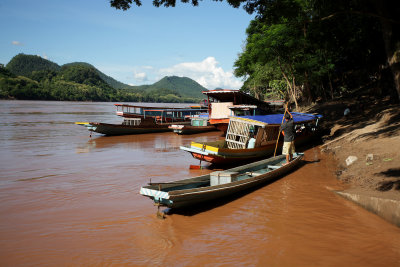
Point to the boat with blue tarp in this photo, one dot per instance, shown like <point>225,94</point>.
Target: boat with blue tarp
<point>253,137</point>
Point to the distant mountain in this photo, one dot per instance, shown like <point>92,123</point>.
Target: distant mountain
<point>24,65</point>
<point>111,81</point>
<point>39,78</point>
<point>182,86</point>
<point>82,74</point>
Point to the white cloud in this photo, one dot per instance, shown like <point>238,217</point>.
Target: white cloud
<point>44,56</point>
<point>140,76</point>
<point>18,43</point>
<point>207,73</point>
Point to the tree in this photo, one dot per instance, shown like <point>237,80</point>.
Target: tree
<point>317,12</point>
<point>126,4</point>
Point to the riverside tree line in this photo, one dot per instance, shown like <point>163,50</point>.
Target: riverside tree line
<point>306,50</point>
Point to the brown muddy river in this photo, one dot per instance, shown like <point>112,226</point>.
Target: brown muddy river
<point>68,200</point>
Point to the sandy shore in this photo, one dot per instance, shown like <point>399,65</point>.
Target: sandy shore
<point>366,145</point>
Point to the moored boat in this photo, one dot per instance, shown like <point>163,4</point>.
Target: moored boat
<point>199,124</point>
<point>125,129</point>
<point>226,103</point>
<point>252,137</point>
<point>158,121</point>
<point>169,114</point>
<point>219,184</point>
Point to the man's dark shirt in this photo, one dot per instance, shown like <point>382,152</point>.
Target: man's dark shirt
<point>288,128</point>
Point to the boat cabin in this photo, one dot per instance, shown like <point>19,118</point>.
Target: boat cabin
<point>255,131</point>
<point>180,114</point>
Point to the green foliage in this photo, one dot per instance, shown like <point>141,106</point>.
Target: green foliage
<point>5,73</point>
<point>24,65</point>
<point>291,41</point>
<point>181,86</point>
<point>109,80</point>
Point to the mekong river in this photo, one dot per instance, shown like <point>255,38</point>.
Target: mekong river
<point>70,200</point>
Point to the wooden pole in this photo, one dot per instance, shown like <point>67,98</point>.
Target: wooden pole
<point>279,134</point>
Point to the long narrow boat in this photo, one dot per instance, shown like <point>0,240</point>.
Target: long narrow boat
<point>262,130</point>
<point>219,184</point>
<point>158,121</point>
<point>126,129</point>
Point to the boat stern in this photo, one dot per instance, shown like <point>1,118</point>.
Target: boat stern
<point>91,127</point>
<point>159,197</point>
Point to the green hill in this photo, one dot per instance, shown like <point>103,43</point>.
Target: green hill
<point>33,77</point>
<point>111,81</point>
<point>182,86</point>
<point>24,65</point>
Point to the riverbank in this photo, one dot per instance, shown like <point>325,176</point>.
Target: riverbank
<point>366,146</point>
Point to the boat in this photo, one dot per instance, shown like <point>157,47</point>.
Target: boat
<point>158,121</point>
<point>218,184</point>
<point>249,138</point>
<point>151,112</point>
<point>227,102</point>
<point>125,128</point>
<point>198,124</point>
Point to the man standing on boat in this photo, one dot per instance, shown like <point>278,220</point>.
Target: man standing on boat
<point>288,132</point>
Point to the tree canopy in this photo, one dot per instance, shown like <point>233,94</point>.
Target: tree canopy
<point>309,49</point>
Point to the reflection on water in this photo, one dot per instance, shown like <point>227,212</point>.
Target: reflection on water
<point>67,199</point>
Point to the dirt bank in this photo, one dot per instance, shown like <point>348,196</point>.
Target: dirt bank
<point>366,145</point>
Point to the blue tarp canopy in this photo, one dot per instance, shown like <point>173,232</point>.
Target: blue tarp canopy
<point>277,118</point>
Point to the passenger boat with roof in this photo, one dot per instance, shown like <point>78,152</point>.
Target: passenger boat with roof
<point>171,114</point>
<point>224,103</point>
<point>252,137</point>
<point>144,120</point>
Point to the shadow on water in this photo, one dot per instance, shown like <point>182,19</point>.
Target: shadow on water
<point>214,203</point>
<point>394,175</point>
<point>302,149</point>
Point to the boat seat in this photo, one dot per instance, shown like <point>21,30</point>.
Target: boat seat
<point>253,173</point>
<point>272,167</point>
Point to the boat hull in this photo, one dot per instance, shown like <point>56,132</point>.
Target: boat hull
<point>119,129</point>
<point>216,153</point>
<point>188,129</point>
<point>171,195</point>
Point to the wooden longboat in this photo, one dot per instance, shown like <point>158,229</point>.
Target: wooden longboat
<point>145,124</point>
<point>168,114</point>
<point>218,153</point>
<point>219,184</point>
<point>126,129</point>
<point>265,129</point>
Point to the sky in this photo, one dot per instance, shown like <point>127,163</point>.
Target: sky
<point>138,46</point>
